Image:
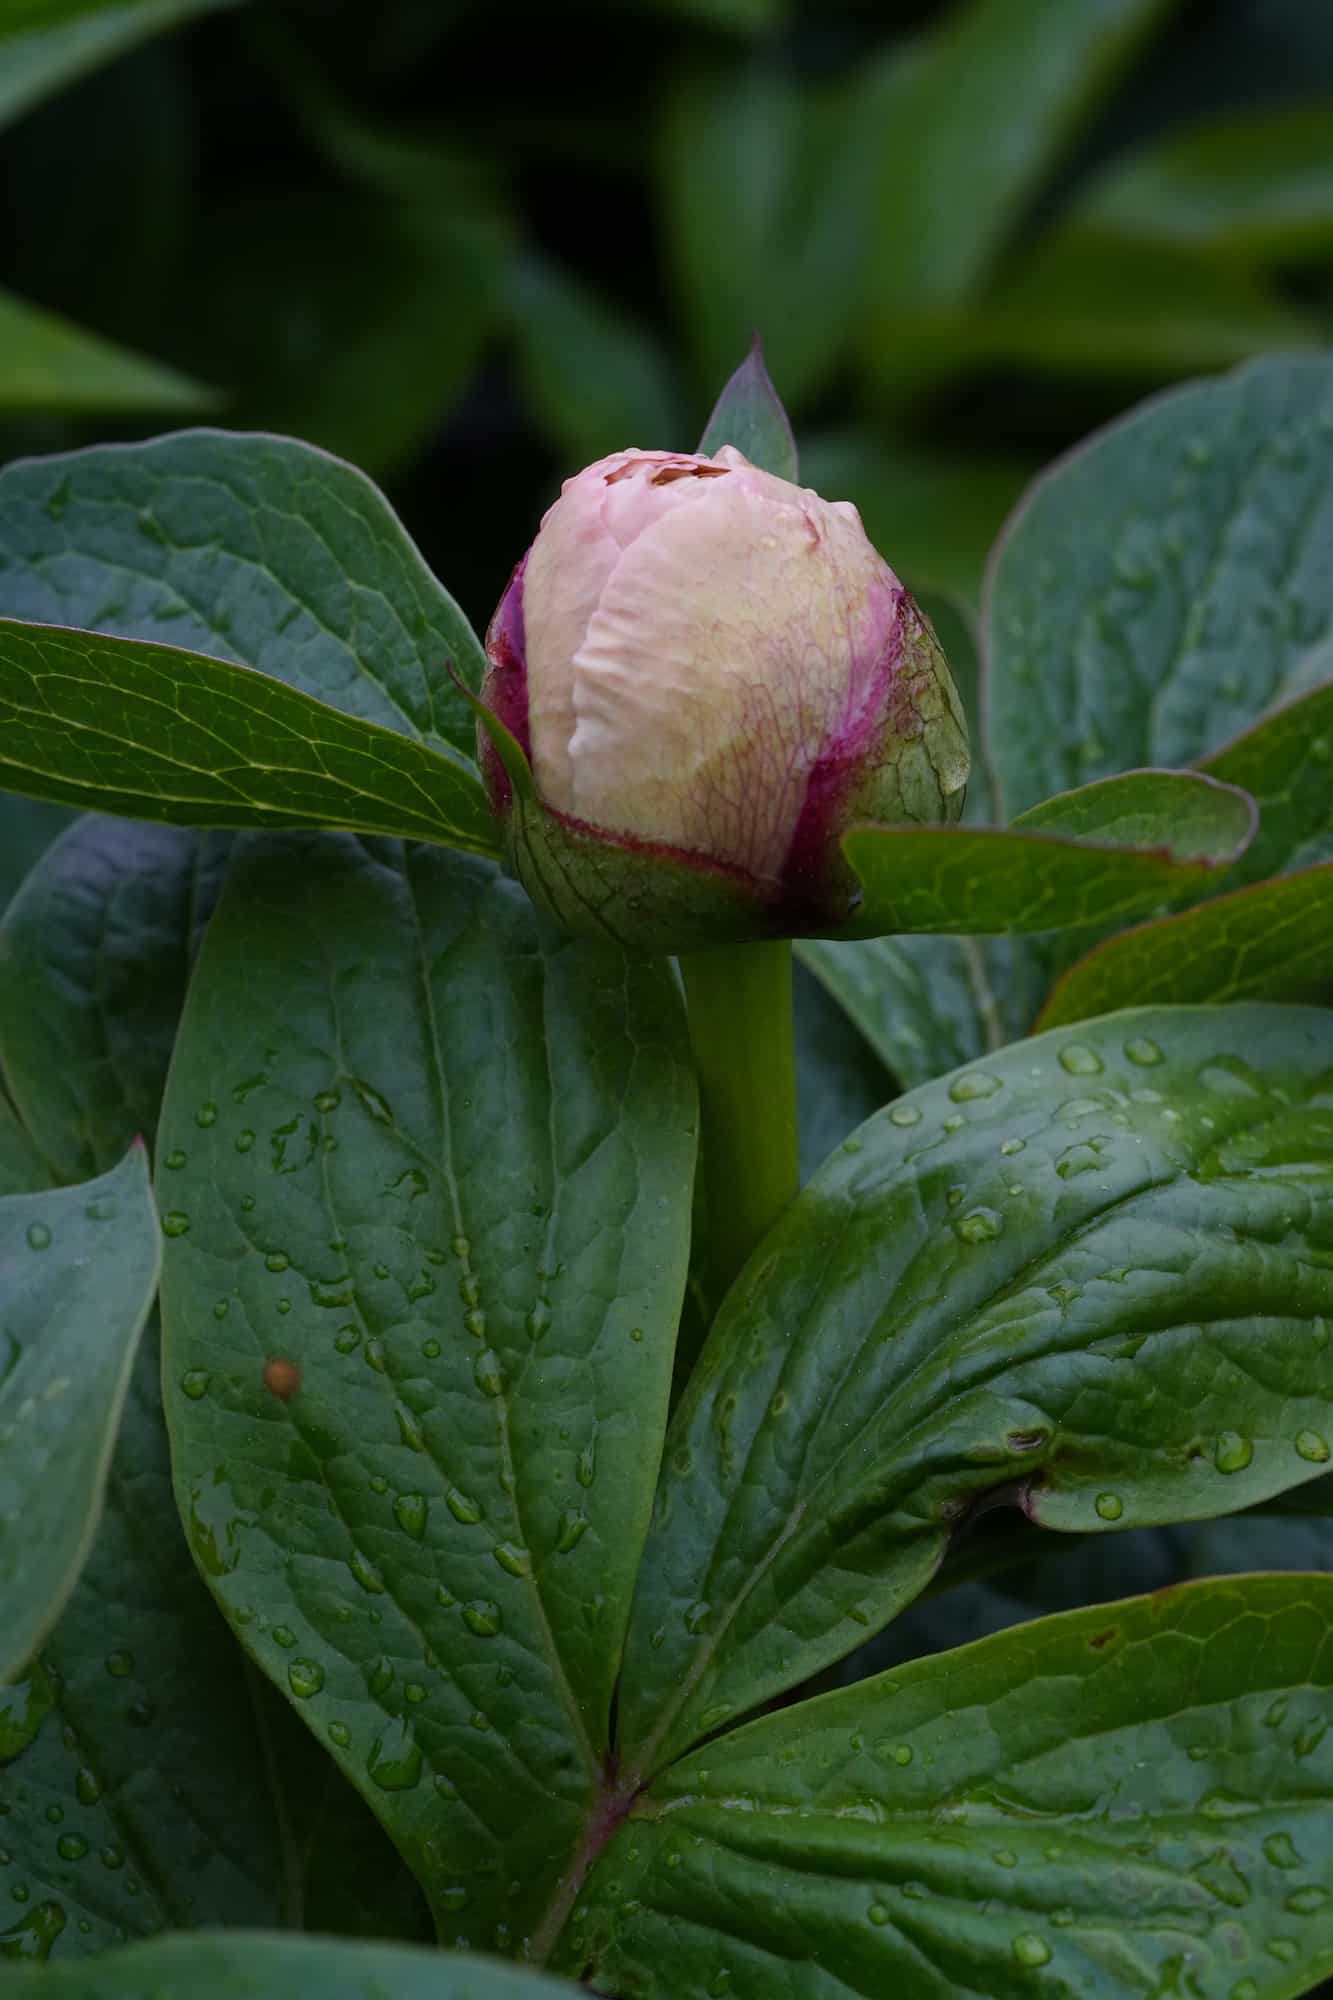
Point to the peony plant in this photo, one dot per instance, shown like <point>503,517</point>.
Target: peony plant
<point>467,1485</point>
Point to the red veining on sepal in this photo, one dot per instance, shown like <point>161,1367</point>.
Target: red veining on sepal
<point>505,688</point>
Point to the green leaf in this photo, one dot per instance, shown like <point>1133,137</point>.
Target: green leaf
<point>1284,763</point>
<point>1119,1801</point>
<point>252,549</point>
<point>1155,589</point>
<point>1088,1274</point>
<point>46,44</point>
<point>985,108</point>
<point>1255,184</point>
<point>264,1967</point>
<point>595,380</point>
<point>932,515</point>
<point>27,828</point>
<point>80,1268</point>
<point>749,415</point>
<point>438,1160</point>
<point>1270,941</point>
<point>1113,849</point>
<point>94,954</point>
<point>122,726</point>
<point>839,1080</point>
<point>49,365</point>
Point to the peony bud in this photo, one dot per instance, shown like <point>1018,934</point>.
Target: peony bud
<point>712,675</point>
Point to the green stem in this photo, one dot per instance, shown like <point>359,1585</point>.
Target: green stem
<point>740,1008</point>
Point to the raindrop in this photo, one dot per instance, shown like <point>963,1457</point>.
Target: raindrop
<point>327,1100</point>
<point>1304,1902</point>
<point>878,1913</point>
<point>1109,1506</point>
<point>395,1760</point>
<point>482,1616</point>
<point>39,1236</point>
<point>431,1349</point>
<point>488,1373</point>
<point>175,1160</point>
<point>902,1753</point>
<point>539,1320</point>
<point>195,1384</point>
<point>87,1787</point>
<point>374,1355</point>
<point>463,1507</point>
<point>366,1573</point>
<point>1233,1452</point>
<point>71,1847</point>
<point>512,1558</point>
<point>1076,1160</point>
<point>453,1898</point>
<point>410,1510</point>
<point>905,1114</point>
<point>284,1636</point>
<point>585,1465</point>
<point>1310,1445</point>
<point>1031,1949</point>
<point>573,1526</point>
<point>1012,1146</point>
<point>979,1225</point>
<point>206,1115</point>
<point>35,1935</point>
<point>346,1339</point>
<point>1143,1052</point>
<point>1280,1850</point>
<point>973,1084</point>
<point>244,1140</point>
<point>277,1260</point>
<point>380,1678</point>
<point>696,1617</point>
<point>1077,1059</point>
<point>340,1734</point>
<point>175,1222</point>
<point>120,1665</point>
<point>305,1677</point>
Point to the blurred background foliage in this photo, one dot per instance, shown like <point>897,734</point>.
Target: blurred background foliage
<point>470,245</point>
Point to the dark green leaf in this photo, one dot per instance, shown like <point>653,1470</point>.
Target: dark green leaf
<point>1117,848</point>
<point>596,381</point>
<point>839,1079</point>
<point>78,1268</point>
<point>49,365</point>
<point>749,415</point>
<point>45,44</point>
<point>1257,184</point>
<point>1286,763</point>
<point>1155,590</point>
<point>161,734</point>
<point>1131,1799</point>
<point>94,956</point>
<point>253,549</point>
<point>1270,941</point>
<point>1088,1274</point>
<point>437,1172</point>
<point>265,1967</point>
<point>27,828</point>
<point>986,106</point>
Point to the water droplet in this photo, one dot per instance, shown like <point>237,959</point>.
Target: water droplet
<point>1310,1445</point>
<point>512,1558</point>
<point>905,1114</point>
<point>35,1935</point>
<point>482,1616</point>
<point>1233,1452</point>
<point>1109,1506</point>
<point>1077,1059</point>
<point>1076,1160</point>
<point>277,1260</point>
<point>284,1636</point>
<point>488,1373</point>
<point>696,1617</point>
<point>972,1084</point>
<point>39,1236</point>
<point>453,1898</point>
<point>111,1857</point>
<point>366,1573</point>
<point>1280,1850</point>
<point>395,1760</point>
<point>1031,1949</point>
<point>87,1787</point>
<point>1245,1989</point>
<point>411,1511</point>
<point>195,1384</point>
<point>585,1465</point>
<point>374,1356</point>
<point>902,1753</point>
<point>979,1225</point>
<point>71,1847</point>
<point>206,1115</point>
<point>120,1665</point>
<point>175,1160</point>
<point>175,1222</point>
<point>1012,1146</point>
<point>573,1526</point>
<point>372,1102</point>
<point>305,1677</point>
<point>1304,1902</point>
<point>346,1339</point>
<point>1221,1877</point>
<point>463,1507</point>
<point>1142,1051</point>
<point>327,1100</point>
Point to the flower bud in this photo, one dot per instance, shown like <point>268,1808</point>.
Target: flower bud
<point>712,675</point>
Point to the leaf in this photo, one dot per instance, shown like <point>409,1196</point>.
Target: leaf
<point>261,1967</point>
<point>78,1268</point>
<point>932,515</point>
<point>50,365</point>
<point>1284,763</point>
<point>986,106</point>
<point>252,549</point>
<point>94,955</point>
<point>839,1080</point>
<point>46,44</point>
<point>1113,1802</point>
<point>596,381</point>
<point>1270,941</point>
<point>1257,184</point>
<point>749,415</point>
<point>1155,588</point>
<point>1070,861</point>
<point>1087,1275</point>
<point>419,1333</point>
<point>118,725</point>
<point>27,828</point>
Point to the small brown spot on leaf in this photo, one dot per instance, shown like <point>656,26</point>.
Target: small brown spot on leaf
<point>282,1378</point>
<point>1100,1639</point>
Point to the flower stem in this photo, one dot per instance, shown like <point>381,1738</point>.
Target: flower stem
<point>740,1010</point>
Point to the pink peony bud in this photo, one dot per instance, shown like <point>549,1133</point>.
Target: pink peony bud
<point>713,674</point>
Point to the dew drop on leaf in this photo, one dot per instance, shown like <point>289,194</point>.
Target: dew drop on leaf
<point>1109,1506</point>
<point>1031,1949</point>
<point>1233,1452</point>
<point>572,1528</point>
<point>463,1507</point>
<point>195,1383</point>
<point>206,1115</point>
<point>904,1114</point>
<point>1143,1051</point>
<point>120,1665</point>
<point>174,1223</point>
<point>305,1677</point>
<point>482,1616</point>
<point>394,1763</point>
<point>410,1510</point>
<point>979,1225</point>
<point>365,1573</point>
<point>974,1084</point>
<point>1077,1059</point>
<point>512,1558</point>
<point>1310,1445</point>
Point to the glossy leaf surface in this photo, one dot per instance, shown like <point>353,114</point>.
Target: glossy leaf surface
<point>266,1967</point>
<point>419,1332</point>
<point>117,725</point>
<point>49,365</point>
<point>253,549</point>
<point>1091,1272</point>
<point>1114,1802</point>
<point>78,1267</point>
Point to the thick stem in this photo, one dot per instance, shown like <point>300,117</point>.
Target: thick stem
<point>740,1009</point>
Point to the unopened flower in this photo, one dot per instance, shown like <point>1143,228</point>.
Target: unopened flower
<point>713,675</point>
